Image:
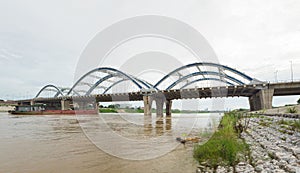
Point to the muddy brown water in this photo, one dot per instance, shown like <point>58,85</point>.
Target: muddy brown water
<point>59,143</point>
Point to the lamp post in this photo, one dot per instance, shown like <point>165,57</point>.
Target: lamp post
<point>292,73</point>
<point>276,72</point>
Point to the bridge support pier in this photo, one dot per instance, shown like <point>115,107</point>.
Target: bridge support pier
<point>147,105</point>
<point>261,100</point>
<point>65,104</point>
<point>32,102</point>
<point>159,107</point>
<point>168,108</point>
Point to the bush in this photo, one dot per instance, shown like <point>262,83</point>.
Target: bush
<point>292,109</point>
<point>298,101</point>
<point>223,146</point>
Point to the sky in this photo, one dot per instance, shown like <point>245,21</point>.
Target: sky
<point>41,41</point>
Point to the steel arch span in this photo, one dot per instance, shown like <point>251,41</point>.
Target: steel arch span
<point>222,73</point>
<point>58,91</point>
<point>110,73</point>
<point>187,75</point>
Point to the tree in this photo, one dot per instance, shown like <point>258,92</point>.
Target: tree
<point>298,101</point>
<point>111,106</point>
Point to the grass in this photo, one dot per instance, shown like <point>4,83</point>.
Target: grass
<point>134,110</point>
<point>224,145</point>
<point>290,124</point>
<point>292,110</point>
<point>296,125</point>
<point>264,122</point>
<point>108,110</point>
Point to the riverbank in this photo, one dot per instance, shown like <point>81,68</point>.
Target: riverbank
<point>139,110</point>
<point>6,108</point>
<point>271,144</point>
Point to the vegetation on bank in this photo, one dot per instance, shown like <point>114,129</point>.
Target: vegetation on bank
<point>108,110</point>
<point>292,110</point>
<point>114,108</point>
<point>293,125</point>
<point>224,145</point>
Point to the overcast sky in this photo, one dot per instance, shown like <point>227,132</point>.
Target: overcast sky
<point>41,41</point>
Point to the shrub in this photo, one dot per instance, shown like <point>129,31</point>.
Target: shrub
<point>223,146</point>
<point>292,109</point>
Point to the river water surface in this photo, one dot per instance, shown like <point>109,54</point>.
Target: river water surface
<point>59,143</point>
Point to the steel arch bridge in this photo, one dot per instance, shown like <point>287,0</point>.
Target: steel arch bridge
<point>180,78</point>
<point>205,71</point>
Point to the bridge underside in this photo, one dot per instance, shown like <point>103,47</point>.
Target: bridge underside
<point>260,96</point>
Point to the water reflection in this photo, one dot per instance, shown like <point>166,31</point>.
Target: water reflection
<point>157,127</point>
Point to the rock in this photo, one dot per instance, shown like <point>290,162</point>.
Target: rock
<point>291,168</point>
<point>221,169</point>
<point>296,151</point>
<point>198,170</point>
<point>242,164</point>
<point>259,168</point>
<point>243,167</point>
<point>282,163</point>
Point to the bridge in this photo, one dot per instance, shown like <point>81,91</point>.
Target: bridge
<point>192,81</point>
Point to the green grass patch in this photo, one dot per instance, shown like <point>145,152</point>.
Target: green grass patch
<point>108,110</point>
<point>263,122</point>
<point>296,125</point>
<point>290,124</point>
<point>224,145</point>
<point>134,110</point>
<point>292,110</point>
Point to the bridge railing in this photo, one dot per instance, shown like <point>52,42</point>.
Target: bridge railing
<point>283,81</point>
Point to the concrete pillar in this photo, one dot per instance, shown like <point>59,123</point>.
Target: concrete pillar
<point>65,104</point>
<point>261,100</point>
<point>97,107</point>
<point>32,102</point>
<point>147,105</point>
<point>159,107</point>
<point>168,108</point>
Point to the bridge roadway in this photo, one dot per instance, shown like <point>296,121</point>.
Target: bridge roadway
<point>260,96</point>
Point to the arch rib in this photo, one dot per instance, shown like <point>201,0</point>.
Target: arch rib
<point>206,79</point>
<point>120,73</point>
<point>203,64</point>
<point>204,73</point>
<point>50,86</point>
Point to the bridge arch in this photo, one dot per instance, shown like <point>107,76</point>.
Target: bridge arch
<point>222,74</point>
<point>110,73</point>
<point>59,91</point>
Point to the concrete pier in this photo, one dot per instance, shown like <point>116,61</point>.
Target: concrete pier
<point>65,104</point>
<point>147,105</point>
<point>168,108</point>
<point>261,100</point>
<point>159,106</point>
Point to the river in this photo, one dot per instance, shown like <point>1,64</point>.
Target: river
<point>111,143</point>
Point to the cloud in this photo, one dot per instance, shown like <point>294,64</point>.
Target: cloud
<point>40,42</point>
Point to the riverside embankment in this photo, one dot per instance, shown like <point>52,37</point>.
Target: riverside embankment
<point>272,144</point>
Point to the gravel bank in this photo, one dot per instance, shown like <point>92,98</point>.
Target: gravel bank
<point>274,147</point>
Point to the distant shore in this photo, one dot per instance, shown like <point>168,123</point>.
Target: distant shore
<point>132,110</point>
<point>5,108</point>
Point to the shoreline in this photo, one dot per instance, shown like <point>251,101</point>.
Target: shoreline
<point>274,144</point>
